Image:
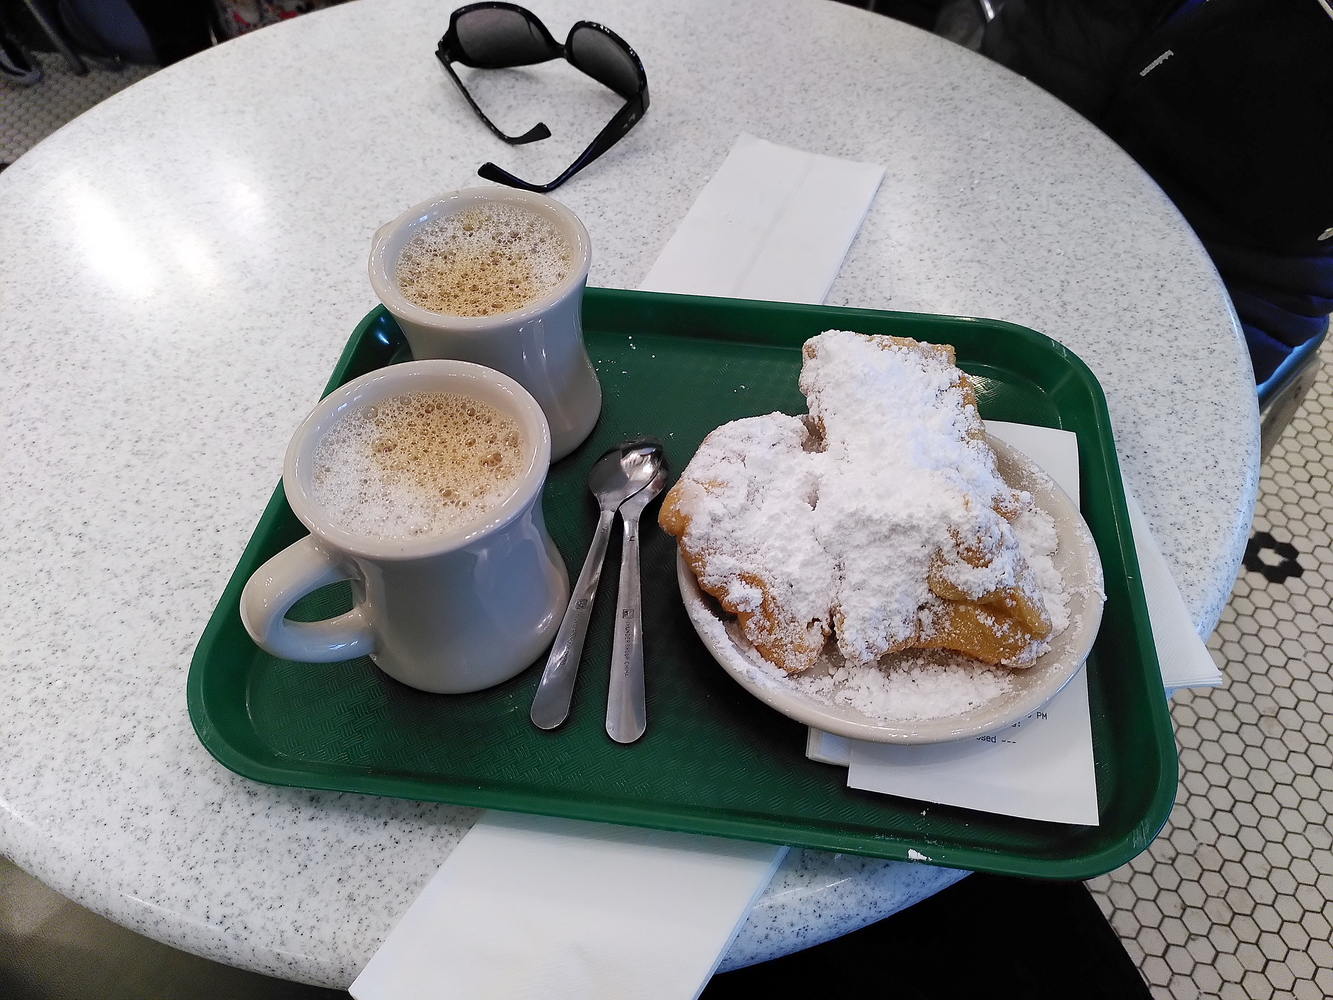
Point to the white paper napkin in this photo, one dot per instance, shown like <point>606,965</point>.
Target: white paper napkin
<point>1039,768</point>
<point>773,223</point>
<point>536,908</point>
<point>527,907</point>
<point>1182,655</point>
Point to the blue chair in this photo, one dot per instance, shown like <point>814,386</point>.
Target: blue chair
<point>1281,394</point>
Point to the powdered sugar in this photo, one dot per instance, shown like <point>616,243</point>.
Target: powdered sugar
<point>1037,537</point>
<point>766,502</point>
<point>908,475</point>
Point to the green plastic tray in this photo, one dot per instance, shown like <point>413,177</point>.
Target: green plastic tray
<point>714,760</point>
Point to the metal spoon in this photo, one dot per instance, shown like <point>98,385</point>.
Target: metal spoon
<point>616,476</point>
<point>626,712</point>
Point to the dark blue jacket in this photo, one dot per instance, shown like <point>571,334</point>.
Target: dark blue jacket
<point>1228,104</point>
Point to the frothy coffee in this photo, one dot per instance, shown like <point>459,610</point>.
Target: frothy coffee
<point>418,464</point>
<point>489,259</point>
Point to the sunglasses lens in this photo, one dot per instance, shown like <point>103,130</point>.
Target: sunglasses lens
<point>605,59</point>
<point>496,37</point>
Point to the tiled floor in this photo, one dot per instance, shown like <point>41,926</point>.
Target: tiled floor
<point>29,114</point>
<point>1235,898</point>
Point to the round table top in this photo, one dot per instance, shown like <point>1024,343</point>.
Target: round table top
<point>181,266</point>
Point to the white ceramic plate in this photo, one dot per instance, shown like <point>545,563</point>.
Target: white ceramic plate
<point>1076,559</point>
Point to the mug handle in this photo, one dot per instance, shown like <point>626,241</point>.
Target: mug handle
<point>299,569</point>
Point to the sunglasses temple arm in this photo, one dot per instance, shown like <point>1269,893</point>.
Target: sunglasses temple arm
<point>615,130</point>
<point>538,131</point>
<point>491,172</point>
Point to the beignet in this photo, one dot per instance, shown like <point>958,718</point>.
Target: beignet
<point>879,518</point>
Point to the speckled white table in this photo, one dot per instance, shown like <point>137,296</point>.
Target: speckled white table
<point>180,268</point>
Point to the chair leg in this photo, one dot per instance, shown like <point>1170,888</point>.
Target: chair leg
<point>17,64</point>
<point>53,32</point>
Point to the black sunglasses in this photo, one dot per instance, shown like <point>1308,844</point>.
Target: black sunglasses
<point>503,35</point>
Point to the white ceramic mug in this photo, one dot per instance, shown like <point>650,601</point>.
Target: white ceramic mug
<point>540,345</point>
<point>451,612</point>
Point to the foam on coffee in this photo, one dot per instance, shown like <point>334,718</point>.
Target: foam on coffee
<point>418,464</point>
<point>488,259</point>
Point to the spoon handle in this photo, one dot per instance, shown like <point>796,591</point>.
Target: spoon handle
<point>550,705</point>
<point>626,712</point>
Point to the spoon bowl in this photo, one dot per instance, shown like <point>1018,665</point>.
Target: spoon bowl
<point>624,470</point>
